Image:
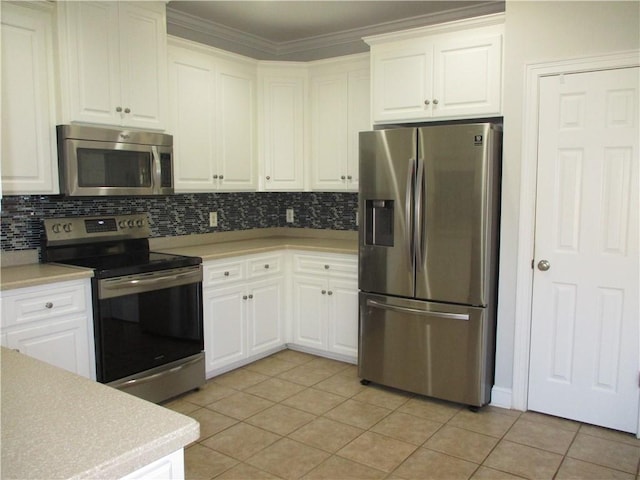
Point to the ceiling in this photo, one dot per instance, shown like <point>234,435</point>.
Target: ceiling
<point>309,29</point>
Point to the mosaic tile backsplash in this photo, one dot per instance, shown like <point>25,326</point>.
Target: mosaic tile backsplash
<point>181,214</point>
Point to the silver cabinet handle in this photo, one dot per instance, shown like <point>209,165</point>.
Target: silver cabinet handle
<point>268,177</point>
<point>48,305</point>
<point>244,297</point>
<point>326,267</point>
<point>342,177</point>
<point>435,101</point>
<point>215,177</point>
<point>221,177</point>
<point>427,102</point>
<point>349,177</point>
<point>226,274</point>
<point>127,110</point>
<point>329,292</point>
<point>250,296</point>
<point>323,292</point>
<point>266,265</point>
<point>544,265</point>
<point>118,109</point>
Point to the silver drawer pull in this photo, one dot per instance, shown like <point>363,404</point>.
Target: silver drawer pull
<point>48,305</point>
<point>226,274</point>
<point>326,267</point>
<point>266,265</point>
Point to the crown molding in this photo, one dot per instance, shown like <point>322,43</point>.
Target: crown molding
<point>312,48</point>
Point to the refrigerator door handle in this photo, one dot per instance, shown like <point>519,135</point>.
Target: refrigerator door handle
<point>419,231</point>
<point>396,308</point>
<point>409,210</point>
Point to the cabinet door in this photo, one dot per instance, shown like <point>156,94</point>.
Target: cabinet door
<point>467,78</point>
<point>309,313</point>
<point>283,129</point>
<point>143,65</point>
<point>401,81</point>
<point>329,122</point>
<point>236,129</point>
<point>28,136</point>
<point>193,123</point>
<point>265,315</point>
<point>62,343</point>
<point>93,56</point>
<point>343,317</point>
<point>224,326</point>
<point>359,121</point>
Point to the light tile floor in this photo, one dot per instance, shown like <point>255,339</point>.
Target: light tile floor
<point>294,415</point>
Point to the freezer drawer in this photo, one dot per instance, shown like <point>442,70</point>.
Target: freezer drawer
<point>439,350</point>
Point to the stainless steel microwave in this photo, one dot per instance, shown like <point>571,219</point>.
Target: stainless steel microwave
<point>103,161</point>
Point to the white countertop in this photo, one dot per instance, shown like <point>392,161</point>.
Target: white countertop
<point>59,425</point>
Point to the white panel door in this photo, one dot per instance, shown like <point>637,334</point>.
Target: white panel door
<point>584,333</point>
<point>309,313</point>
<point>265,315</point>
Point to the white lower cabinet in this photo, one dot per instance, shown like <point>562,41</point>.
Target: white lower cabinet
<point>244,314</point>
<point>52,323</point>
<point>325,304</point>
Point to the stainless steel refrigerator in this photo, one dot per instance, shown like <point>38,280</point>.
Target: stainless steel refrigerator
<point>429,205</point>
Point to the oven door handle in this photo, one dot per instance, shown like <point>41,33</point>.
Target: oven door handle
<point>117,287</point>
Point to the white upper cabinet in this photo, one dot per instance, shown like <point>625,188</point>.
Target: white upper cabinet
<point>282,122</point>
<point>446,71</point>
<point>29,159</point>
<point>113,63</point>
<point>212,105</point>
<point>339,111</point>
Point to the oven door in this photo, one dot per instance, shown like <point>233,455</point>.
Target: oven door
<point>93,168</point>
<point>147,320</point>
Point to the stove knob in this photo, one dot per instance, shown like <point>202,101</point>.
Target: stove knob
<point>66,227</point>
<point>139,223</point>
<point>56,228</point>
<point>122,224</point>
<point>130,223</point>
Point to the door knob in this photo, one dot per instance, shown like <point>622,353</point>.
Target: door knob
<point>544,265</point>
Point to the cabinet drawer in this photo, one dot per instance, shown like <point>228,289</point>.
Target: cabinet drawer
<point>331,265</point>
<point>221,273</point>
<point>41,303</point>
<point>268,265</point>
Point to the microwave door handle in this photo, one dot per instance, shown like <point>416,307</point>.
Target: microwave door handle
<point>157,170</point>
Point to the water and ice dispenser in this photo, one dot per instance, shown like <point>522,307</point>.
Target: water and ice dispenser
<point>379,222</point>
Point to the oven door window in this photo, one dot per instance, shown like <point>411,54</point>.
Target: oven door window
<point>114,168</point>
<point>141,331</point>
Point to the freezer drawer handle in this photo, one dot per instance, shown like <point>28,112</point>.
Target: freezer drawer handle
<point>395,308</point>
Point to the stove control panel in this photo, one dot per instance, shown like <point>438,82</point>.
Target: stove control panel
<point>109,227</point>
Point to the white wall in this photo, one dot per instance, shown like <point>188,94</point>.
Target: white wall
<point>543,31</point>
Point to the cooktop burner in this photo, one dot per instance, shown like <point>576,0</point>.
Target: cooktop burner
<point>133,262</point>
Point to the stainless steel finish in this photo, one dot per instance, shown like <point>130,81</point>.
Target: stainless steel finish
<point>71,230</point>
<point>435,101</point>
<point>146,282</point>
<point>166,381</point>
<point>427,102</point>
<point>74,137</point>
<point>226,274</point>
<point>268,177</point>
<point>411,345</point>
<point>343,177</point>
<point>266,265</point>
<point>221,177</point>
<point>409,205</point>
<point>127,110</point>
<point>48,305</point>
<point>118,109</point>
<point>544,265</point>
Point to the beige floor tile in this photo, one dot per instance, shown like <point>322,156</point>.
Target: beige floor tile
<point>275,389</point>
<point>294,356</point>
<point>541,435</point>
<point>484,421</point>
<point>326,434</point>
<point>339,384</point>
<point>551,420</point>
<point>351,371</point>
<point>486,473</point>
<point>426,464</point>
<point>240,379</point>
<point>243,471</point>
<point>203,463</point>
<point>333,366</point>
<point>377,451</point>
<point>502,411</point>
<point>431,409</point>
<point>305,375</point>
<point>271,366</point>
<point>241,441</point>
<point>460,443</point>
<point>383,397</point>
<point>616,455</point>
<point>335,468</point>
<point>240,405</point>
<point>609,434</point>
<point>281,419</point>
<point>358,414</point>
<point>407,428</point>
<point>288,459</point>
<point>314,401</point>
<point>523,460</point>
<point>211,422</point>
<point>209,393</point>
<point>181,406</point>
<point>572,469</point>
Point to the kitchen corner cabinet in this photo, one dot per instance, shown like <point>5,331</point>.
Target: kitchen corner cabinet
<point>52,323</point>
<point>340,108</point>
<point>457,74</point>
<point>29,155</point>
<point>212,103</point>
<point>244,315</point>
<point>282,129</point>
<point>113,63</point>
<point>325,304</point>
